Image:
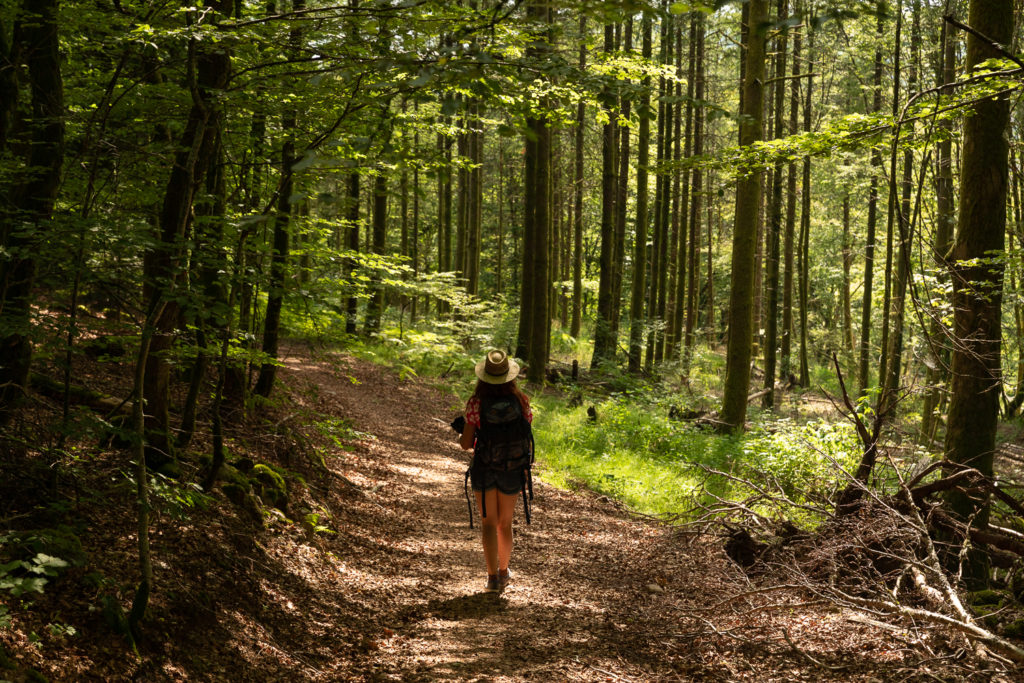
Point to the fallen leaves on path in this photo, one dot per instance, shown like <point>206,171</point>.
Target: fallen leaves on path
<point>394,591</point>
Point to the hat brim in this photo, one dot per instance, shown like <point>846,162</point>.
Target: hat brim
<point>513,372</point>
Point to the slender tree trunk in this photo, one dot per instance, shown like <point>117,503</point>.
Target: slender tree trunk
<point>415,245</point>
<point>621,198</point>
<point>775,223</point>
<point>864,372</point>
<point>577,214</point>
<point>604,342</point>
<point>636,308</point>
<point>748,198</point>
<point>789,233</point>
<point>887,305</point>
<point>945,221</point>
<point>352,219</point>
<point>847,266</point>
<point>538,11</point>
<point>905,224</point>
<point>697,195</point>
<point>660,236</point>
<point>281,240</point>
<point>375,307</point>
<point>678,263</point>
<point>671,116</point>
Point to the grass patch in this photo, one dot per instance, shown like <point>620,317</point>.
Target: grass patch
<point>655,465</point>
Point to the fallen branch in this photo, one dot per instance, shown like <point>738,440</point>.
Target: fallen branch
<point>969,629</point>
<point>812,660</point>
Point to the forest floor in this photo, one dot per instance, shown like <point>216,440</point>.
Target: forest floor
<point>396,591</point>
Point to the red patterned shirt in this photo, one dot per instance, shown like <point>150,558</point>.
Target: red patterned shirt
<point>473,410</point>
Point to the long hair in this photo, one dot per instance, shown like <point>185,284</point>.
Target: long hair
<point>487,390</point>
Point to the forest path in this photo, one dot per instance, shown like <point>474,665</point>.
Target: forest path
<point>579,602</point>
<point>597,594</point>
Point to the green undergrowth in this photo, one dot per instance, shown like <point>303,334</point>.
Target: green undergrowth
<point>656,465</point>
<point>635,452</point>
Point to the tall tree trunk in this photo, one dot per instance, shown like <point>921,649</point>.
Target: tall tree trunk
<point>895,227</point>
<point>34,193</point>
<point>697,195</point>
<point>415,246</point>
<point>352,213</point>
<point>847,266</point>
<point>643,152</point>
<point>945,219</point>
<point>375,307</point>
<point>864,371</point>
<point>748,198</point>
<point>978,278</point>
<point>775,222</point>
<point>887,305</point>
<point>540,335</point>
<point>789,233</point>
<point>621,198</point>
<point>163,263</point>
<point>664,208</point>
<point>604,342</point>
<point>281,239</point>
<point>577,213</point>
<point>660,230</point>
<point>680,266</point>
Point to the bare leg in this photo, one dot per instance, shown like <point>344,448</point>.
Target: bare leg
<point>506,508</point>
<point>489,526</point>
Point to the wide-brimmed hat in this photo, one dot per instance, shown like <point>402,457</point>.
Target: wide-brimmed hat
<point>497,368</point>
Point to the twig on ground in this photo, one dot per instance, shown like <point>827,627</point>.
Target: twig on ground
<point>812,660</point>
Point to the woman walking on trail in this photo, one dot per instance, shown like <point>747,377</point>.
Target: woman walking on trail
<point>497,428</point>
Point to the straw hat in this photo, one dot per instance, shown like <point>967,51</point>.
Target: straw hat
<point>497,368</point>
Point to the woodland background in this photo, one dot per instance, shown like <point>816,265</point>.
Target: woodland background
<point>657,206</point>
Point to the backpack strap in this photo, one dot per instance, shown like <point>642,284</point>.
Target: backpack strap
<point>469,504</point>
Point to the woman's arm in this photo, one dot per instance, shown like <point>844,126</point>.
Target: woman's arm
<point>468,436</point>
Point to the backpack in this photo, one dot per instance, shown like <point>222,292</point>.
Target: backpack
<point>504,443</point>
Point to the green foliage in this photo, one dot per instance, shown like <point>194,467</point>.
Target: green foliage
<point>173,496</point>
<point>31,569</point>
<point>656,465</point>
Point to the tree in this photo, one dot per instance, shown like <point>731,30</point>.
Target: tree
<point>864,373</point>
<point>604,342</point>
<point>24,216</point>
<point>748,198</point>
<point>977,275</point>
<point>643,152</point>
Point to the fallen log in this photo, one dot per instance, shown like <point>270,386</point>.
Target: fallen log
<point>100,402</point>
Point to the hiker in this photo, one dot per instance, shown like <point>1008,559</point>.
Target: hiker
<point>497,428</point>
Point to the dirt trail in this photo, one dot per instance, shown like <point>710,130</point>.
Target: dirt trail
<point>597,594</point>
<point>576,606</point>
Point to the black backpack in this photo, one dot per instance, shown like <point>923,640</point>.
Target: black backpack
<point>504,442</point>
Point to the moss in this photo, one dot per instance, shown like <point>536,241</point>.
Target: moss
<point>170,469</point>
<point>234,492</point>
<point>230,475</point>
<point>34,676</point>
<point>986,597</point>
<point>988,614</point>
<point>1015,629</point>
<point>270,485</point>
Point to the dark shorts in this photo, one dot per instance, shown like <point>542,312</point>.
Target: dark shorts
<point>485,479</point>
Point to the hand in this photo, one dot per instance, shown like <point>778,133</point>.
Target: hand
<point>459,424</point>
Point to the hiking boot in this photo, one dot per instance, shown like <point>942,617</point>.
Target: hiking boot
<point>493,586</point>
<point>503,579</point>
